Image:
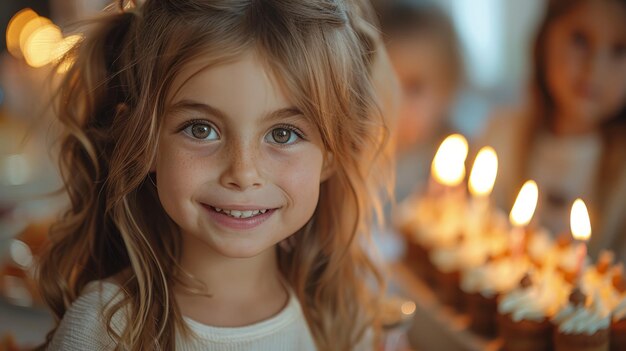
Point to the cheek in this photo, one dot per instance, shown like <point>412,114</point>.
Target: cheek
<point>299,178</point>
<point>615,90</point>
<point>178,175</point>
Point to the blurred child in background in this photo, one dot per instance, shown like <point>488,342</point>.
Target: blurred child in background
<point>424,51</point>
<point>571,137</point>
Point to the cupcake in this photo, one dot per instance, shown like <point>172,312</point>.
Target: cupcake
<point>470,253</point>
<point>434,227</point>
<point>582,326</point>
<point>447,275</point>
<point>483,285</point>
<point>618,320</point>
<point>524,313</point>
<point>415,219</point>
<point>618,327</point>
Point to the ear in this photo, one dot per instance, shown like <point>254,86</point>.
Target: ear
<point>328,168</point>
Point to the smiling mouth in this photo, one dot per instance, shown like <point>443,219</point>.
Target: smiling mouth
<point>241,214</point>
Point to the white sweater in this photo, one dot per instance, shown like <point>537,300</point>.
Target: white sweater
<point>83,328</point>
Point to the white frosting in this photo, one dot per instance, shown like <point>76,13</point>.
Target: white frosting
<point>494,277</point>
<point>432,221</point>
<point>469,254</point>
<point>472,253</point>
<point>537,302</point>
<point>446,259</point>
<point>583,319</point>
<point>523,304</point>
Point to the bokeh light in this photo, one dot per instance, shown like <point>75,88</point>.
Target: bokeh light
<point>14,29</point>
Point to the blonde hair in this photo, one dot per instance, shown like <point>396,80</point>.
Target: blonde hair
<point>111,102</point>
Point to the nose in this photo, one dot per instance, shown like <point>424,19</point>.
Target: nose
<point>241,172</point>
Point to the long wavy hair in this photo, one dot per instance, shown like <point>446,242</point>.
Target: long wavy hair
<point>111,103</point>
<point>540,116</point>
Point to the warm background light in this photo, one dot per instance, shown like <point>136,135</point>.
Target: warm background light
<point>525,204</point>
<point>449,163</point>
<point>14,29</point>
<point>64,46</point>
<point>484,171</point>
<point>40,47</point>
<point>579,221</point>
<point>408,308</point>
<point>29,28</point>
<point>39,41</point>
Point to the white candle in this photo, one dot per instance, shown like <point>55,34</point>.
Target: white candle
<point>521,214</point>
<point>481,181</point>
<point>580,226</point>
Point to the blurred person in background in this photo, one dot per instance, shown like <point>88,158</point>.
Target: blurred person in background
<point>424,51</point>
<point>571,135</point>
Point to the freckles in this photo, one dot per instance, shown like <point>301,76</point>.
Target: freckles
<point>297,172</point>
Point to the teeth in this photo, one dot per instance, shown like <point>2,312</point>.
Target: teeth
<point>240,214</point>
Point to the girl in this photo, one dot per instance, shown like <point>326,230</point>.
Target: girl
<point>424,51</point>
<point>571,137</point>
<point>200,134</point>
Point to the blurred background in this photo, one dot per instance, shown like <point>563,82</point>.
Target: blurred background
<point>458,61</point>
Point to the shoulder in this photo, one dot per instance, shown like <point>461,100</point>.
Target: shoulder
<point>84,325</point>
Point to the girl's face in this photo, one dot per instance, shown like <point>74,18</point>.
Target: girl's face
<point>427,86</point>
<point>586,62</point>
<point>238,166</point>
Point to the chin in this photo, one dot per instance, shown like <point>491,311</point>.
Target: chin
<point>242,250</point>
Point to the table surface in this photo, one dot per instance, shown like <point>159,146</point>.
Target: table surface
<point>437,327</point>
<point>29,326</point>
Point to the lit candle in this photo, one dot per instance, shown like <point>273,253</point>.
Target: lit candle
<point>481,180</point>
<point>521,214</point>
<point>448,167</point>
<point>484,171</point>
<point>581,231</point>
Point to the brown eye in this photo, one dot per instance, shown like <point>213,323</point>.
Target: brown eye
<point>282,135</point>
<point>201,131</point>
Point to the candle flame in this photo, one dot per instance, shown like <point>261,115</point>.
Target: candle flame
<point>449,163</point>
<point>579,221</point>
<point>525,204</point>
<point>484,171</point>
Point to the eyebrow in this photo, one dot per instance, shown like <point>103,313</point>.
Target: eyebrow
<point>208,109</point>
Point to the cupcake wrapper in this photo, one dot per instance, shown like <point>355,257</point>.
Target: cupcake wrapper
<point>599,341</point>
<point>525,335</point>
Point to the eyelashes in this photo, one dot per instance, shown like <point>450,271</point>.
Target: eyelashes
<point>201,130</point>
<point>277,133</point>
